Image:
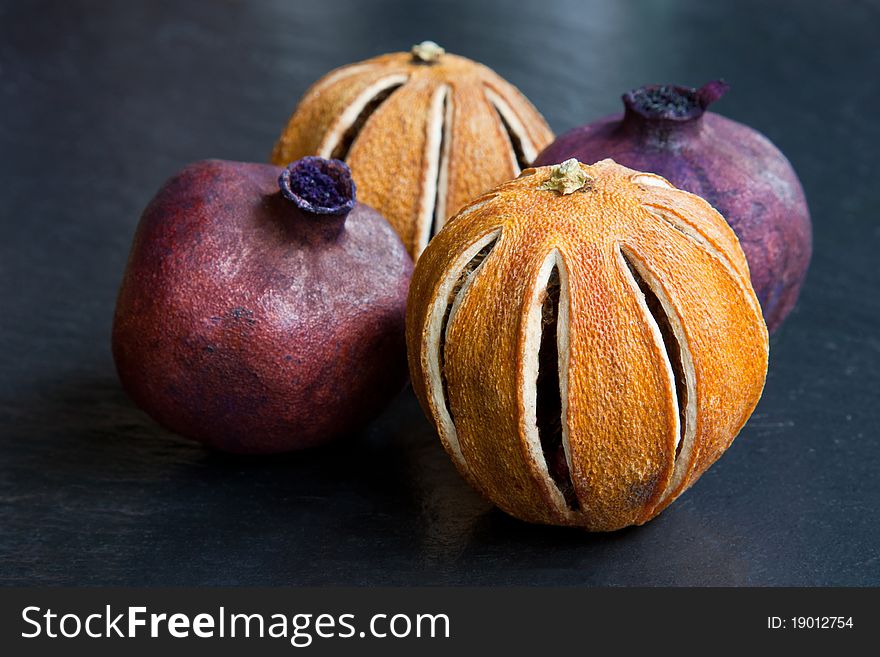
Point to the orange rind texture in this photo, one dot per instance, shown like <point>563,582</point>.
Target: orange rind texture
<point>657,341</point>
<point>421,138</point>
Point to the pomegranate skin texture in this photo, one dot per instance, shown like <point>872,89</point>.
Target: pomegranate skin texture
<point>262,309</point>
<point>666,130</point>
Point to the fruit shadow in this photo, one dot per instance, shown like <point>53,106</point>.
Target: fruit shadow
<point>114,499</point>
<point>102,485</point>
<point>465,540</point>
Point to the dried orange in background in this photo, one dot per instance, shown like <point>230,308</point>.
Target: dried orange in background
<point>423,133</point>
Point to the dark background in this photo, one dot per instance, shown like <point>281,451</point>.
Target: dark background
<point>102,101</point>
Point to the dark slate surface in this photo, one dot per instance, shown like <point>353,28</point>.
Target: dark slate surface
<point>102,101</point>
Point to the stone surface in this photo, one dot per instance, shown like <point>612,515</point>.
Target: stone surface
<point>103,102</point>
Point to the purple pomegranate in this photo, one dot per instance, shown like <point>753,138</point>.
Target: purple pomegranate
<point>666,130</point>
<point>262,309</point>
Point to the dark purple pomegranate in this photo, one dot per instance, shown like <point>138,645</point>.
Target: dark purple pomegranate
<point>666,130</point>
<point>262,309</point>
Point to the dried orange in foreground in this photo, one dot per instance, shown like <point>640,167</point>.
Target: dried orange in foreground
<point>587,342</point>
<point>423,132</point>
